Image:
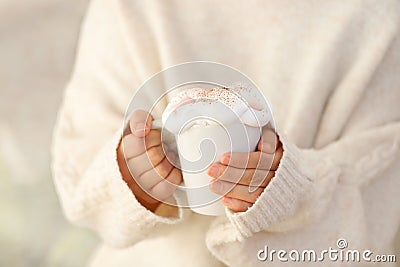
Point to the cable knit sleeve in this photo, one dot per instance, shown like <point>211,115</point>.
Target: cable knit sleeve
<point>88,132</point>
<point>306,179</point>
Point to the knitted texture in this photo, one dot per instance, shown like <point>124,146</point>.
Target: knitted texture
<point>329,70</point>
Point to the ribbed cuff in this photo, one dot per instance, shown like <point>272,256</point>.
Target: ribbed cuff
<point>280,198</point>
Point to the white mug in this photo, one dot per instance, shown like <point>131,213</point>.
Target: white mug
<point>210,142</point>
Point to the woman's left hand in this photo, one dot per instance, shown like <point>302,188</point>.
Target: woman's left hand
<point>241,177</point>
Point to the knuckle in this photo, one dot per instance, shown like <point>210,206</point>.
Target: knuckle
<point>163,168</point>
<point>155,155</point>
<point>152,139</point>
<point>154,134</point>
<point>175,177</point>
<point>151,153</point>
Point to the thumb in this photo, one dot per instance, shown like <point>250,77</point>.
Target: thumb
<point>140,123</point>
<point>269,141</point>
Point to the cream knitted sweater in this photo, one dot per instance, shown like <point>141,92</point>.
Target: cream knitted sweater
<point>330,70</point>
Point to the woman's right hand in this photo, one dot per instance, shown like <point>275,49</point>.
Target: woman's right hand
<point>143,164</point>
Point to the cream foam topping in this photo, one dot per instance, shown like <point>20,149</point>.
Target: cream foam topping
<point>202,106</point>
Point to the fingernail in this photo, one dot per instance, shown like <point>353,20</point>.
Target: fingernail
<point>214,171</point>
<point>216,187</point>
<point>140,127</point>
<point>226,200</point>
<point>226,158</point>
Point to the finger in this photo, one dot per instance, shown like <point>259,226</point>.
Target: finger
<point>253,160</point>
<point>140,123</point>
<point>236,205</point>
<point>238,191</point>
<point>155,175</point>
<point>252,177</point>
<point>146,161</point>
<point>167,186</point>
<point>269,141</point>
<point>134,146</point>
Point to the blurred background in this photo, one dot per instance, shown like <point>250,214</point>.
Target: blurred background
<point>37,46</point>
